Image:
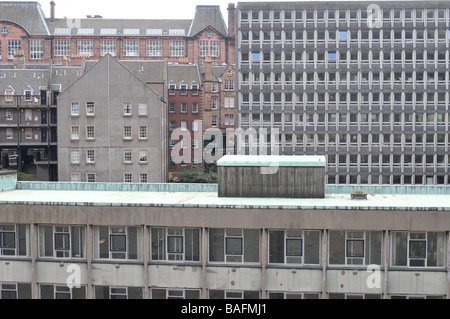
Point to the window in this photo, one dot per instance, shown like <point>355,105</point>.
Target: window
<point>62,241</point>
<point>131,48</point>
<point>107,292</point>
<point>214,49</point>
<point>36,48</point>
<point>203,48</point>
<point>215,87</point>
<point>176,49</point>
<point>214,103</point>
<point>229,119</point>
<point>183,107</point>
<point>128,178</point>
<point>294,247</point>
<point>127,132</point>
<point>15,290</point>
<point>418,249</point>
<point>172,88</point>
<point>229,85</point>
<point>75,157</point>
<point>90,177</point>
<point>194,108</point>
<point>143,156</point>
<point>90,132</point>
<point>85,47</point>
<point>172,107</point>
<point>108,47</point>
<point>117,242</point>
<point>229,102</point>
<point>90,156</point>
<point>75,177</point>
<point>214,121</point>
<point>233,294</point>
<point>127,156</point>
<point>183,125</point>
<point>355,247</point>
<point>61,48</point>
<point>127,108</point>
<point>342,35</point>
<point>183,89</point>
<point>142,132</point>
<point>154,49</point>
<point>75,132</point>
<point>142,109</point>
<point>75,109</point>
<point>143,178</point>
<point>234,245</point>
<point>175,244</point>
<point>194,89</point>
<point>158,293</point>
<point>28,115</point>
<point>90,109</point>
<point>13,46</point>
<point>9,133</point>
<point>14,240</point>
<point>61,292</point>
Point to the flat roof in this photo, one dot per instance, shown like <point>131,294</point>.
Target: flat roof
<point>273,160</point>
<point>210,199</point>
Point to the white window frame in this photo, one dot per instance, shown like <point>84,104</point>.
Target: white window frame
<point>131,48</point>
<point>75,156</point>
<point>36,48</point>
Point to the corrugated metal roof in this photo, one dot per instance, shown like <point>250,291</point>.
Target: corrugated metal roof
<point>272,160</point>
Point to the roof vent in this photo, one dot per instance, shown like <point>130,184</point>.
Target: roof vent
<point>358,194</point>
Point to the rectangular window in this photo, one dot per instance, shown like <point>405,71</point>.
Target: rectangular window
<point>127,132</point>
<point>131,48</point>
<point>229,119</point>
<point>154,49</point>
<point>175,244</point>
<point>172,107</point>
<point>215,87</point>
<point>62,241</point>
<point>75,177</point>
<point>143,156</point>
<point>203,48</point>
<point>90,132</point>
<point>214,103</point>
<point>75,157</point>
<point>214,121</point>
<point>142,132</point>
<point>13,46</point>
<point>234,245</point>
<point>214,49</point>
<point>108,47</point>
<point>90,109</point>
<point>75,109</point>
<point>9,133</point>
<point>28,133</point>
<point>90,156</point>
<point>36,48</point>
<point>183,89</point>
<point>176,49</point>
<point>194,108</point>
<point>61,292</point>
<point>195,125</point>
<point>355,247</point>
<point>142,109</point>
<point>107,292</point>
<point>342,35</point>
<point>127,108</point>
<point>229,85</point>
<point>61,48</point>
<point>229,102</point>
<point>143,178</point>
<point>9,115</point>
<point>14,240</point>
<point>183,107</point>
<point>294,247</point>
<point>158,293</point>
<point>117,242</point>
<point>28,115</point>
<point>90,177</point>
<point>172,88</point>
<point>418,249</point>
<point>194,89</point>
<point>127,156</point>
<point>75,132</point>
<point>85,48</point>
<point>128,178</point>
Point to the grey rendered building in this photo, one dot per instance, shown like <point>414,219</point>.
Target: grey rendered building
<point>364,82</point>
<point>115,128</point>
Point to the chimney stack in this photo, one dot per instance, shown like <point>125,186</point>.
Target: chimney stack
<point>52,11</point>
<point>19,59</point>
<point>231,20</point>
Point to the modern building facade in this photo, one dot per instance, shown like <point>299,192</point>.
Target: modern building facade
<point>364,82</point>
<point>183,241</point>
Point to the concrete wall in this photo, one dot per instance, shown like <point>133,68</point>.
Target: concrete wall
<point>8,180</point>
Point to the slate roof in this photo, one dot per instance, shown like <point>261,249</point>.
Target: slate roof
<point>186,73</point>
<point>28,15</point>
<point>208,16</point>
<point>21,80</point>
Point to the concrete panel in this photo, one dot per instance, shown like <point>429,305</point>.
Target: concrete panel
<point>175,276</point>
<point>15,271</point>
<point>117,275</point>
<point>58,273</point>
<point>233,278</point>
<point>354,281</point>
<point>417,282</point>
<point>294,280</point>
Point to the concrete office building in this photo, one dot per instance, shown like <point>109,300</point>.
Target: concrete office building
<point>183,241</point>
<point>372,96</point>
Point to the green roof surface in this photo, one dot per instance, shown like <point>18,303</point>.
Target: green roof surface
<point>273,160</point>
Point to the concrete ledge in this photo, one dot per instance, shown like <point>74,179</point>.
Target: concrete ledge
<point>8,180</point>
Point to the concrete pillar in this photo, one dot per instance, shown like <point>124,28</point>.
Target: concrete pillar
<point>34,255</point>
<point>263,259</point>
<point>386,262</point>
<point>89,258</point>
<point>324,262</point>
<point>146,258</point>
<point>204,258</point>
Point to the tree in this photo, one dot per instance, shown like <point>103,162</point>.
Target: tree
<point>201,175</point>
